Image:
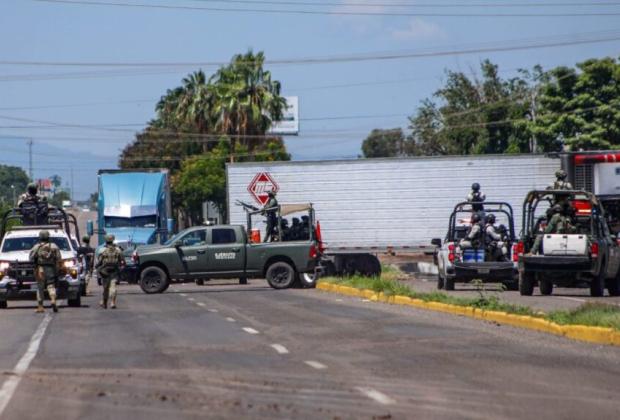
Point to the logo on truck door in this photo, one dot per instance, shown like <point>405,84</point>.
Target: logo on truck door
<point>261,185</point>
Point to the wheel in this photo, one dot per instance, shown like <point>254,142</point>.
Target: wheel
<point>199,282</point>
<point>449,283</point>
<point>597,285</point>
<point>512,285</point>
<point>75,303</point>
<point>308,280</point>
<point>154,280</point>
<point>545,286</point>
<point>440,282</point>
<point>526,284</point>
<point>281,275</point>
<point>3,304</point>
<point>613,286</point>
<point>243,280</point>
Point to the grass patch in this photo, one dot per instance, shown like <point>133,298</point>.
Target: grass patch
<point>590,314</point>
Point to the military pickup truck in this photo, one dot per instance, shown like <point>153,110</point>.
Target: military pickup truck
<point>225,251</point>
<point>586,253</point>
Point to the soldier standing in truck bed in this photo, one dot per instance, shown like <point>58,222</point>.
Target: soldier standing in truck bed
<point>270,210</point>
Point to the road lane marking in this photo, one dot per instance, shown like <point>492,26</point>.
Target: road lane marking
<point>182,294</point>
<point>280,348</point>
<point>375,395</point>
<point>201,304</point>
<point>250,330</point>
<point>9,387</point>
<point>213,310</point>
<point>339,300</point>
<point>191,299</point>
<point>229,319</point>
<point>316,365</point>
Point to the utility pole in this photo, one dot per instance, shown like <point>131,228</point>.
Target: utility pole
<point>30,142</point>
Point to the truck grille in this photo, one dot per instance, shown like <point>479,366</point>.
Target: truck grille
<point>22,271</point>
<point>584,179</point>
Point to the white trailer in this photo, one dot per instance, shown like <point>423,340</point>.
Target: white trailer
<point>371,206</point>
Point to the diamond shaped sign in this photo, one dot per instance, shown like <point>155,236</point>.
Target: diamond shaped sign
<point>261,185</point>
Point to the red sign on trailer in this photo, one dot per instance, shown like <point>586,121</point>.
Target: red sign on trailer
<point>261,185</point>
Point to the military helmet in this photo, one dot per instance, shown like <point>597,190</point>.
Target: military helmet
<point>86,238</point>
<point>32,188</point>
<point>271,193</point>
<point>475,186</point>
<point>561,174</point>
<point>557,208</point>
<point>109,239</point>
<point>44,235</point>
<point>491,218</point>
<point>475,218</point>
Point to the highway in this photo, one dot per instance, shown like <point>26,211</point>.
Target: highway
<point>230,351</point>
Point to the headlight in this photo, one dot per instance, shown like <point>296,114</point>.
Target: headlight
<point>4,265</point>
<point>72,263</point>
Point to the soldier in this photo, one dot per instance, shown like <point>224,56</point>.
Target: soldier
<point>270,210</point>
<point>476,196</point>
<point>31,195</point>
<point>305,228</point>
<point>47,259</point>
<point>472,240</point>
<point>33,206</point>
<point>560,222</point>
<point>296,229</point>
<point>560,181</point>
<point>109,266</point>
<point>88,254</point>
<point>497,246</point>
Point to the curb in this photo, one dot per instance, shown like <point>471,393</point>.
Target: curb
<point>598,335</point>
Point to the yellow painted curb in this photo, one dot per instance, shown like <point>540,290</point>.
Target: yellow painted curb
<point>597,335</point>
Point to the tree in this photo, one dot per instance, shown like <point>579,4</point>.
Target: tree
<point>59,197</point>
<point>13,182</point>
<point>56,181</point>
<point>384,143</point>
<point>580,108</point>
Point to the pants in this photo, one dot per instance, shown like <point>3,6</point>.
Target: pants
<point>271,230</point>
<point>51,290</point>
<point>109,288</point>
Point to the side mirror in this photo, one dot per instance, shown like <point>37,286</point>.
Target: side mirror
<point>90,229</point>
<point>436,242</point>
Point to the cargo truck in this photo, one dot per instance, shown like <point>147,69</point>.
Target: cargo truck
<point>371,206</point>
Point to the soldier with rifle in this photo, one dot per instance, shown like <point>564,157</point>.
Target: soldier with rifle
<point>47,259</point>
<point>270,210</point>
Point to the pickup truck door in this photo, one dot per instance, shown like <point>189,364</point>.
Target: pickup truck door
<point>226,252</point>
<point>193,252</point>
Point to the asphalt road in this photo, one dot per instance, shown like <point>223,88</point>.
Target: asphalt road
<point>230,351</point>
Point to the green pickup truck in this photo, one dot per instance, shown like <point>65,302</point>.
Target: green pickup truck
<point>206,252</point>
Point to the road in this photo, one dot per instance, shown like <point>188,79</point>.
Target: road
<point>230,351</point>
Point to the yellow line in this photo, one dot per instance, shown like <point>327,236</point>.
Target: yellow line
<point>597,335</point>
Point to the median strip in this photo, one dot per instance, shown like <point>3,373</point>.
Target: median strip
<point>598,320</point>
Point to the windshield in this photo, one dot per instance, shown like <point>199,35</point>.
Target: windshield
<point>26,243</point>
<point>139,222</point>
<point>175,238</point>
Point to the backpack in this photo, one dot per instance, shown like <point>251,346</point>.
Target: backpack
<point>108,261</point>
<point>46,255</point>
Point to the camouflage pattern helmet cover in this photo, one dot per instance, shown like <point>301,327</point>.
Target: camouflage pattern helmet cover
<point>32,188</point>
<point>475,218</point>
<point>271,193</point>
<point>475,186</point>
<point>490,218</point>
<point>109,239</point>
<point>560,174</point>
<point>44,235</point>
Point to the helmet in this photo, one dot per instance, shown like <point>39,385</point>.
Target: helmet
<point>86,238</point>
<point>32,188</point>
<point>475,218</point>
<point>475,186</point>
<point>491,218</point>
<point>271,193</point>
<point>44,235</point>
<point>560,174</point>
<point>109,239</point>
<point>557,208</point>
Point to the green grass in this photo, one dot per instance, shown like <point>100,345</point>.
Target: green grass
<point>591,314</point>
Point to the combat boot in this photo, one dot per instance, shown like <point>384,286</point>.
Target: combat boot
<point>40,309</point>
<point>103,304</point>
<point>54,307</point>
<point>113,304</point>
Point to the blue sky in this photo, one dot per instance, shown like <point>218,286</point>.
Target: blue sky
<point>54,32</point>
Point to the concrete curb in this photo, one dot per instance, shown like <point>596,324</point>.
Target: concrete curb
<point>598,335</point>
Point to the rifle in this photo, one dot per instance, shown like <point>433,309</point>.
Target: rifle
<point>246,206</point>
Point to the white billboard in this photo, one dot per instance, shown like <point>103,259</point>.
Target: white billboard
<point>289,124</point>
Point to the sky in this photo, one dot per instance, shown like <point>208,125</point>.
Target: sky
<point>91,112</point>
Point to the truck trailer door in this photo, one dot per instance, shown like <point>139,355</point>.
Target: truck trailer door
<point>226,252</point>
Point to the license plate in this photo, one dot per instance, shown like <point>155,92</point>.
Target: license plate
<point>484,271</point>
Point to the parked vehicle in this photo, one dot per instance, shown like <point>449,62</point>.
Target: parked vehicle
<point>225,251</point>
<point>588,254</point>
<point>456,265</point>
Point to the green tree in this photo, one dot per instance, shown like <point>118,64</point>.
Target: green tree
<point>59,197</point>
<point>580,108</point>
<point>384,143</point>
<point>13,182</point>
<point>56,181</point>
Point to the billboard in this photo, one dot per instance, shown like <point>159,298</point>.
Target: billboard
<point>289,125</point>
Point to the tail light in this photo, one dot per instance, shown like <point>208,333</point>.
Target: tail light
<point>319,237</point>
<point>135,258</point>
<point>517,250</point>
<point>313,252</point>
<point>594,250</point>
<point>451,252</point>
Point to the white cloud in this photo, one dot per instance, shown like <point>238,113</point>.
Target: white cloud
<point>419,29</point>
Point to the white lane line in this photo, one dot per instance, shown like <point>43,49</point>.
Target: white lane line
<point>316,365</point>
<point>182,294</point>
<point>229,319</point>
<point>280,348</point>
<point>375,395</point>
<point>250,330</point>
<point>191,299</point>
<point>339,300</point>
<point>201,304</point>
<point>213,310</point>
<point>9,387</point>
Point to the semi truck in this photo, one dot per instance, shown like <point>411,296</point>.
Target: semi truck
<point>366,207</point>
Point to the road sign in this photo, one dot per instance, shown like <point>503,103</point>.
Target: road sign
<point>261,185</point>
<point>289,124</point>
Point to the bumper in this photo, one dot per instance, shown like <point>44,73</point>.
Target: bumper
<point>486,271</point>
<point>66,288</point>
<point>559,264</point>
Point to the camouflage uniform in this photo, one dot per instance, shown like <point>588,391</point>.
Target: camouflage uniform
<point>109,266</point>
<point>560,181</point>
<point>272,219</point>
<point>47,258</point>
<point>33,207</point>
<point>559,223</point>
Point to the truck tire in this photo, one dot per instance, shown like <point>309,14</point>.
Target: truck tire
<point>545,286</point>
<point>75,303</point>
<point>199,282</point>
<point>308,280</point>
<point>243,280</point>
<point>613,285</point>
<point>597,285</point>
<point>281,275</point>
<point>449,283</point>
<point>3,304</point>
<point>154,280</point>
<point>440,282</point>
<point>526,284</point>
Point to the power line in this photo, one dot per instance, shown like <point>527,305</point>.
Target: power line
<point>329,12</point>
<point>416,4</point>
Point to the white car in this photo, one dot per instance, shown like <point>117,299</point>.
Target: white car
<point>17,280</point>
